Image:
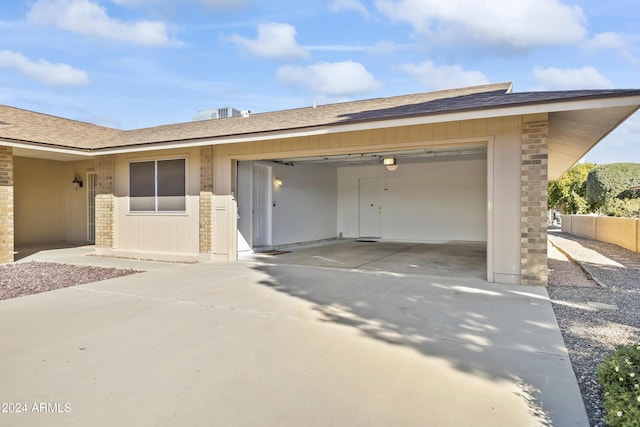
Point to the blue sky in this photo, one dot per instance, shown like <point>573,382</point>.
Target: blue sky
<point>138,63</point>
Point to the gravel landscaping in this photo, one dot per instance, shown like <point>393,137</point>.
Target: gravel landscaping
<point>28,278</point>
<point>596,306</point>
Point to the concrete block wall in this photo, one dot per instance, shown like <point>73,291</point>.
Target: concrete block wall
<point>533,218</point>
<point>105,202</point>
<point>6,205</point>
<point>583,226</point>
<point>619,231</point>
<point>624,232</point>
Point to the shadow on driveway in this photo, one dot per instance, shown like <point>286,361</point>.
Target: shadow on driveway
<point>495,332</point>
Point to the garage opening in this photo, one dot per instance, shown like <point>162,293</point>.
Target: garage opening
<point>420,210</point>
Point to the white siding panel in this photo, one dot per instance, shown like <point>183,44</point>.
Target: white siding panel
<point>424,202</point>
<point>159,233</point>
<point>306,205</point>
<point>506,193</point>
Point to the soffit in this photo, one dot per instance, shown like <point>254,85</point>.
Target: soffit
<point>573,133</point>
<point>369,158</point>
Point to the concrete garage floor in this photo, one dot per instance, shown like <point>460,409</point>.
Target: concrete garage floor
<point>253,343</point>
<point>454,259</point>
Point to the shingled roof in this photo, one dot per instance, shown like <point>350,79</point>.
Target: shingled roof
<point>21,125</point>
<point>299,118</point>
<point>27,126</point>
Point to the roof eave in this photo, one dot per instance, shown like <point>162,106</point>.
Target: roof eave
<point>373,124</point>
<point>43,146</point>
<point>609,101</point>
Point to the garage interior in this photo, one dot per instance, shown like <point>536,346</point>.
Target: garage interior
<point>418,211</point>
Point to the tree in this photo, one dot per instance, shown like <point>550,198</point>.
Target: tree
<point>605,183</point>
<point>628,207</point>
<point>569,193</point>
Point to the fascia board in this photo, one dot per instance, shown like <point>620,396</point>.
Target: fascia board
<point>485,113</point>
<point>407,121</point>
<point>46,148</point>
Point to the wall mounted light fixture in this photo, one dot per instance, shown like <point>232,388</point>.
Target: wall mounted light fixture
<point>390,163</point>
<point>277,182</point>
<point>76,183</point>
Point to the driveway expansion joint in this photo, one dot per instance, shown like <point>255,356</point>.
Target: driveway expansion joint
<point>191,303</point>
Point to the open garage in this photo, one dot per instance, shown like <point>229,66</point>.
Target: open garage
<point>428,204</point>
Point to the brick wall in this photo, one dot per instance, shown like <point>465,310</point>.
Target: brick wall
<point>105,201</point>
<point>206,199</point>
<point>6,205</point>
<point>533,219</point>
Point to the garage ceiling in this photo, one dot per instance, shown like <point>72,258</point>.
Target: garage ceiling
<point>375,158</point>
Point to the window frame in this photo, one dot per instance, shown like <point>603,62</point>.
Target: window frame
<point>156,211</point>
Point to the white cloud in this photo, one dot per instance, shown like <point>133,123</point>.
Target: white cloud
<point>551,78</point>
<point>387,47</point>
<point>221,4</point>
<point>444,77</point>
<point>607,41</point>
<point>378,48</point>
<point>212,4</point>
<point>518,24</point>
<point>331,79</point>
<point>91,19</point>
<point>338,48</point>
<point>44,71</point>
<point>355,5</point>
<point>620,43</point>
<point>274,41</point>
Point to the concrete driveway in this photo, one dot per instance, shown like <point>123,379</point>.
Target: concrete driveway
<point>251,344</point>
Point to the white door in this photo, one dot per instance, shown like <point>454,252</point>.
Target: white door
<point>261,231</point>
<point>371,207</point>
<point>91,207</point>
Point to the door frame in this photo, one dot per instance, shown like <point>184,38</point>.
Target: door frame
<point>268,207</point>
<point>379,195</point>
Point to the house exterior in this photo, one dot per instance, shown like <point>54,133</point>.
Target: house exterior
<point>472,165</point>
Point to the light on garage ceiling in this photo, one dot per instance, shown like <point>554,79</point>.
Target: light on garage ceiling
<point>277,182</point>
<point>390,163</point>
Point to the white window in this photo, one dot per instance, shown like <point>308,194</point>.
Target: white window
<point>157,186</point>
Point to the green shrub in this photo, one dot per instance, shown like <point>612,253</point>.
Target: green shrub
<point>619,377</point>
<point>629,208</point>
<point>569,192</point>
<point>607,182</point>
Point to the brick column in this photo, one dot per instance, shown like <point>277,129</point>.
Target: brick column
<point>533,219</point>
<point>206,200</point>
<point>6,205</point>
<point>105,201</point>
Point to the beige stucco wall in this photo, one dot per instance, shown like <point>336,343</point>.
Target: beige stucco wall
<point>620,231</point>
<point>47,208</point>
<point>567,223</point>
<point>501,135</point>
<point>623,232</point>
<point>583,226</point>
<point>158,233</point>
